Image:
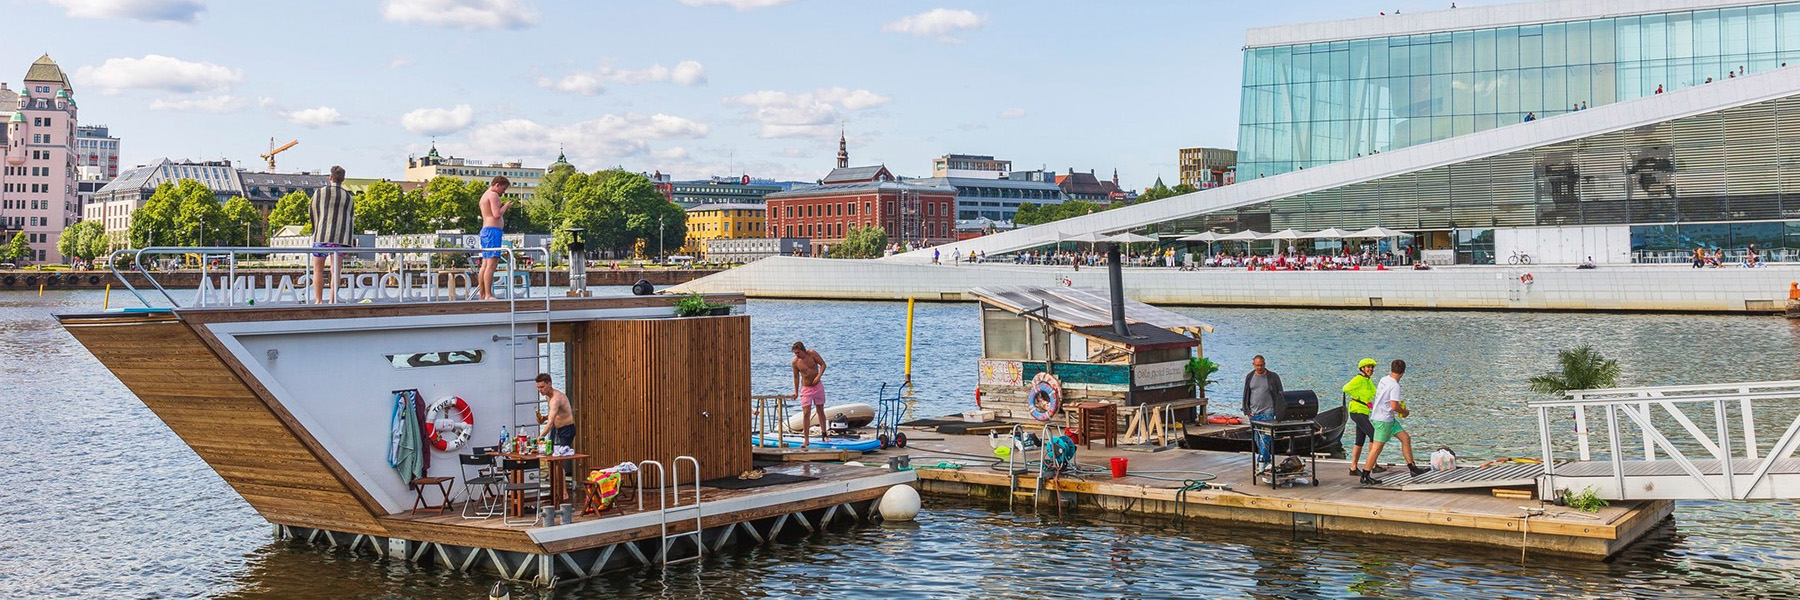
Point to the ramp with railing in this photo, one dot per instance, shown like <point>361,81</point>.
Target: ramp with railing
<point>1687,442</point>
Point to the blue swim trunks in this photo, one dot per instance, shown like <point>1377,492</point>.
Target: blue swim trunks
<point>490,238</point>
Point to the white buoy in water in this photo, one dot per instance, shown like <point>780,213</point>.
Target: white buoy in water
<point>900,503</point>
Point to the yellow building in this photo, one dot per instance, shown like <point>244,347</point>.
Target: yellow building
<point>721,221</point>
<point>524,179</point>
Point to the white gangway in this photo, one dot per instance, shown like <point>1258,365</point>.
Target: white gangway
<point>1661,443</point>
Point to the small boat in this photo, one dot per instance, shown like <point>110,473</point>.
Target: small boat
<point>1329,438</point>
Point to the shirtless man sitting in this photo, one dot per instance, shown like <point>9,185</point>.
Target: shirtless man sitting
<point>561,420</point>
<point>809,386</point>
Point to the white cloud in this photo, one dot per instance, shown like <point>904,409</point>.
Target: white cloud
<point>806,114</point>
<point>158,72</point>
<point>465,14</point>
<point>940,23</point>
<point>1012,113</point>
<point>737,4</point>
<point>399,61</point>
<point>438,121</point>
<point>174,11</point>
<point>795,153</point>
<point>601,141</point>
<point>220,104</point>
<point>314,118</point>
<point>674,153</point>
<point>588,83</point>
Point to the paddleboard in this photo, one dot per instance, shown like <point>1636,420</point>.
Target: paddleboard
<point>793,441</point>
<point>853,416</point>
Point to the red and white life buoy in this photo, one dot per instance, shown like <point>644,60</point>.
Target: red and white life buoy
<point>1526,279</point>
<point>1044,394</point>
<point>446,432</point>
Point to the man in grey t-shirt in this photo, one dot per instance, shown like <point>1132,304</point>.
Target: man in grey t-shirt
<point>1262,389</point>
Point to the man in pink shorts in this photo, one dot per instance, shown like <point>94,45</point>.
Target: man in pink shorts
<point>809,373</point>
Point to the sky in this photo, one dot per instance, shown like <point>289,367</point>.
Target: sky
<point>693,88</point>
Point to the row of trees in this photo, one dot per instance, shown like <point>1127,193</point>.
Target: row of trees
<point>618,211</point>
<point>1032,214</point>
<point>862,242</point>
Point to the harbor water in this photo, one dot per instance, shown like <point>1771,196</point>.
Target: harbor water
<point>104,501</point>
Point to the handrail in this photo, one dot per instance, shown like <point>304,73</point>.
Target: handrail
<point>1581,394</point>
<point>232,253</point>
<point>1572,402</point>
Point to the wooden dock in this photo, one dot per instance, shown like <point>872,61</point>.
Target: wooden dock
<point>1338,504</point>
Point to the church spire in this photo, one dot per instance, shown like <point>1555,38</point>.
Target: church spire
<point>843,151</point>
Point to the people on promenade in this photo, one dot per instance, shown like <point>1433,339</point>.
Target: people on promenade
<point>331,210</point>
<point>1360,391</point>
<point>1385,414</point>
<point>809,387</point>
<point>1262,389</point>
<point>493,220</point>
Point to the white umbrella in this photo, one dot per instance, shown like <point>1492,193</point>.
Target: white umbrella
<point>1327,234</point>
<point>1089,238</point>
<point>1208,237</point>
<point>1285,234</point>
<point>1130,238</point>
<point>1378,232</point>
<point>1241,236</point>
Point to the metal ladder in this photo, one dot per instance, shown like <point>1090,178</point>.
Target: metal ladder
<point>532,345</point>
<point>665,509</point>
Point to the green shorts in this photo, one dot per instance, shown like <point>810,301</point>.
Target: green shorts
<point>1386,430</point>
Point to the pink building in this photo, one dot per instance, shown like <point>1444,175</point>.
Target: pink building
<point>37,185</point>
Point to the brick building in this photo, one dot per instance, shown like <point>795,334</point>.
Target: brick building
<point>921,213</point>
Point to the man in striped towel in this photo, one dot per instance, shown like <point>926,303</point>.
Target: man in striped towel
<point>331,211</point>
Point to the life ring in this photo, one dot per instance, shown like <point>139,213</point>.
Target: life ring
<point>453,433</point>
<point>11,280</point>
<point>1045,397</point>
<point>93,280</point>
<point>1526,279</point>
<point>1224,420</point>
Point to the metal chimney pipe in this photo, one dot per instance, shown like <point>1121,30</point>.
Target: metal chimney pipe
<point>577,264</point>
<point>1115,276</point>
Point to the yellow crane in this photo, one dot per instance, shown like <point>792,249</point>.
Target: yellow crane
<point>273,150</point>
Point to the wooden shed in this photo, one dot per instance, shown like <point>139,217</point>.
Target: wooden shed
<point>1068,332</point>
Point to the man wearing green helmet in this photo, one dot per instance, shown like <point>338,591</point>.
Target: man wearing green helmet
<point>1360,391</point>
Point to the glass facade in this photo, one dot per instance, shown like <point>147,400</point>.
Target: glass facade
<point>1312,104</point>
<point>1721,179</point>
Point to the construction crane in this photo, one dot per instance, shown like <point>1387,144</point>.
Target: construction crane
<point>273,150</point>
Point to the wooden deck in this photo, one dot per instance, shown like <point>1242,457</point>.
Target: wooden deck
<point>835,484</point>
<point>1337,503</point>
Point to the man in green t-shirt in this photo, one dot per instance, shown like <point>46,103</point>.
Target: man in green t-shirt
<point>1360,390</point>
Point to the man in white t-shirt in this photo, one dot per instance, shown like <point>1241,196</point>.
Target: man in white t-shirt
<point>1385,413</point>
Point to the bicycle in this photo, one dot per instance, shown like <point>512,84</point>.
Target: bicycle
<point>1519,258</point>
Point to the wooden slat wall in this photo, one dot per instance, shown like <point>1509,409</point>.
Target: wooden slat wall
<point>173,372</point>
<point>654,389</point>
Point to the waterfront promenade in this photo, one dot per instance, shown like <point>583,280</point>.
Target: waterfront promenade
<point>1611,288</point>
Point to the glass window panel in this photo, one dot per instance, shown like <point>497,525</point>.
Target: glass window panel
<point>1399,57</point>
<point>1482,49</point>
<point>1358,66</point>
<point>1556,89</point>
<point>1556,45</point>
<point>1462,50</point>
<point>1736,32</point>
<point>1531,91</point>
<point>1656,37</point>
<point>1629,42</point>
<point>1604,82</point>
<point>1321,66</point>
<point>1531,49</point>
<point>1506,91</point>
<point>1580,87</point>
<point>1421,55</point>
<point>1442,89</point>
<point>1378,58</point>
<point>1441,55</point>
<point>1688,34</point>
<point>1506,47</point>
<point>1787,29</point>
<point>1762,30</point>
<point>1486,98</point>
<point>1577,38</point>
<point>1462,94</point>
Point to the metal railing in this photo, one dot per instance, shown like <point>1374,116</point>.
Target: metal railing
<point>394,284</point>
<point>1727,444</point>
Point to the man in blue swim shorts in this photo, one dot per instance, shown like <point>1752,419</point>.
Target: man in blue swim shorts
<point>493,219</point>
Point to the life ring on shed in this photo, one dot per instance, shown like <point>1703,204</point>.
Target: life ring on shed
<point>53,280</point>
<point>447,433</point>
<point>1045,397</point>
<point>1526,279</point>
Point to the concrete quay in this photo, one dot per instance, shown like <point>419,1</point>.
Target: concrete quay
<point>1550,288</point>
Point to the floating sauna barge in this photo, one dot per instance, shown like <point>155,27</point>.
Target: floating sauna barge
<point>292,406</point>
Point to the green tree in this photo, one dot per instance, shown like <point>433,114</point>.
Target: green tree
<point>387,209</point>
<point>617,209</point>
<point>861,242</point>
<point>153,223</point>
<point>1583,368</point>
<point>1184,189</point>
<point>1055,212</point>
<point>240,223</point>
<point>85,240</point>
<point>199,219</point>
<point>292,209</point>
<point>16,250</point>
<point>451,204</point>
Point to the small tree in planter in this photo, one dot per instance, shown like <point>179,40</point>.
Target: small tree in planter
<point>695,305</point>
<point>1200,371</point>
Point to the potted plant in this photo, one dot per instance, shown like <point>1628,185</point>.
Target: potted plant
<point>695,305</point>
<point>1200,371</point>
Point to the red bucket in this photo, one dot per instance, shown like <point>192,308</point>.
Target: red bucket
<point>1118,466</point>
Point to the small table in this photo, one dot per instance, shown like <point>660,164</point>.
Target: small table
<point>558,492</point>
<point>1098,420</point>
<point>443,485</point>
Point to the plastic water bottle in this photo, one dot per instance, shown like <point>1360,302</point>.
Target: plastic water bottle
<point>503,440</point>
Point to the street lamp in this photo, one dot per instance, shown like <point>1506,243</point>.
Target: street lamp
<point>659,239</point>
